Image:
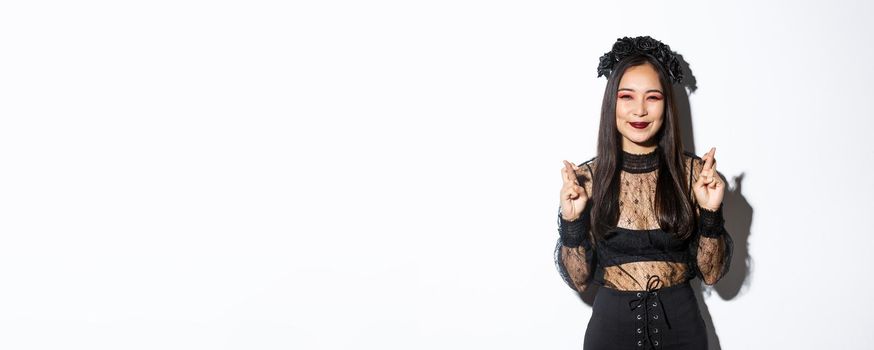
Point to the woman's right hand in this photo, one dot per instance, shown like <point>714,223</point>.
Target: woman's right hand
<point>573,196</point>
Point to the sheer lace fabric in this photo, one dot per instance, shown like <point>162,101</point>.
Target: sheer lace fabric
<point>706,257</point>
<point>573,266</point>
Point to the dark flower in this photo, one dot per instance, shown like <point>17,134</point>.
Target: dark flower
<point>673,67</point>
<point>623,46</point>
<point>661,55</point>
<point>606,64</point>
<point>645,43</point>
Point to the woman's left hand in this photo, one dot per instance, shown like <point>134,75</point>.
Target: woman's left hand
<point>709,188</point>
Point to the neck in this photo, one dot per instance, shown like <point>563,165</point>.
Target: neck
<point>639,162</point>
<point>636,148</point>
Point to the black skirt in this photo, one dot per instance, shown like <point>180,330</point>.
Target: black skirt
<point>661,318</point>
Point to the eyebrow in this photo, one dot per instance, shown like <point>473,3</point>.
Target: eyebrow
<point>650,90</point>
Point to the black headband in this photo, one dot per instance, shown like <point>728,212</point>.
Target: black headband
<point>642,45</point>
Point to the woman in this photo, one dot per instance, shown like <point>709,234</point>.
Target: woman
<point>643,217</point>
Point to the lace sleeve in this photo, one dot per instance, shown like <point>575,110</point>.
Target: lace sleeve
<point>574,255</point>
<point>711,246</point>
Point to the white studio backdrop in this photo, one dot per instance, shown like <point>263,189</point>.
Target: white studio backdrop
<point>384,175</point>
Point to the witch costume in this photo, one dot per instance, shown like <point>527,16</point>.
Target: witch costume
<point>646,300</point>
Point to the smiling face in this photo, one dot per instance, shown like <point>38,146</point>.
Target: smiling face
<point>640,107</point>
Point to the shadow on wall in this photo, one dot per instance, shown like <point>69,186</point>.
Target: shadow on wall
<point>737,210</point>
<point>738,219</point>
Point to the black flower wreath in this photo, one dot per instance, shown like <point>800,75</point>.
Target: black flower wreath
<point>626,46</point>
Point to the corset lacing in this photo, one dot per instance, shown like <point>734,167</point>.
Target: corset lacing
<point>646,298</point>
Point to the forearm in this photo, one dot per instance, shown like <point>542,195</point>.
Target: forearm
<point>713,245</point>
<point>574,253</point>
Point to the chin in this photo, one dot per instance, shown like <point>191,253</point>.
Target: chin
<point>638,137</point>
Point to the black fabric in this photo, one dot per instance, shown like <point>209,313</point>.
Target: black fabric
<point>623,245</point>
<point>573,233</point>
<point>639,163</point>
<point>643,270</point>
<point>711,223</point>
<point>658,318</point>
<point>574,239</point>
<point>637,247</point>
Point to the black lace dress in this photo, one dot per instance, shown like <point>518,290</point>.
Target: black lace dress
<point>646,300</point>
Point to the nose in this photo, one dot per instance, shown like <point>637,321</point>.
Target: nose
<point>640,109</point>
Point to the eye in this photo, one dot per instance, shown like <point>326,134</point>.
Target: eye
<point>625,97</point>
<point>655,98</point>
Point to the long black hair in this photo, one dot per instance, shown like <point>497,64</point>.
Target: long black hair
<point>672,206</point>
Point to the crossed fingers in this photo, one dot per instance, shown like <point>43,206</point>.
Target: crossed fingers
<point>708,171</point>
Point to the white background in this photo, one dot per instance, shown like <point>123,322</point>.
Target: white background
<point>385,175</point>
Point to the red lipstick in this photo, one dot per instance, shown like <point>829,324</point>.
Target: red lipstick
<point>639,125</point>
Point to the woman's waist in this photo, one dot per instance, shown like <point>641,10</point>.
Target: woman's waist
<point>683,285</point>
<point>643,275</point>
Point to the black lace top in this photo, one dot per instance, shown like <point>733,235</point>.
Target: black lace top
<point>637,249</point>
